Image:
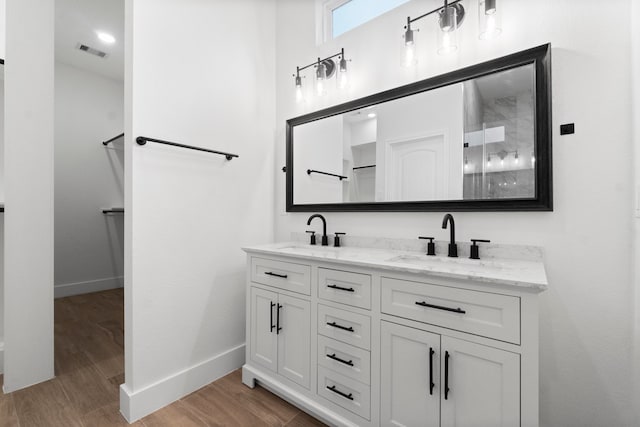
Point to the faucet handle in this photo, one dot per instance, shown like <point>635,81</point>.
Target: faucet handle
<point>431,247</point>
<point>313,237</point>
<point>475,254</point>
<point>336,240</point>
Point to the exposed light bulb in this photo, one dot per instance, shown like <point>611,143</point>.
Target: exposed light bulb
<point>321,75</point>
<point>517,160</point>
<point>488,161</point>
<point>448,39</point>
<point>409,55</point>
<point>502,162</point>
<point>343,75</point>
<point>299,95</point>
<point>533,160</point>
<point>488,19</point>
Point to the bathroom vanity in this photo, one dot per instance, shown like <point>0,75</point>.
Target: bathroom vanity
<point>374,336</point>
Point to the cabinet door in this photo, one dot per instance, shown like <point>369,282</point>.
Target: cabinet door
<point>484,385</point>
<point>264,340</point>
<point>410,364</point>
<point>294,339</point>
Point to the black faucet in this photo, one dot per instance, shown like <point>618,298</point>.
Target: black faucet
<point>325,240</point>
<point>453,248</point>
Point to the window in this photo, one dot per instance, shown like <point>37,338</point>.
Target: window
<point>343,15</point>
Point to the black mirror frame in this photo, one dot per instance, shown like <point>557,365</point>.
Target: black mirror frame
<point>543,201</point>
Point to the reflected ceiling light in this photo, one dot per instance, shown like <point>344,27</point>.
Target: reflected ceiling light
<point>325,69</point>
<point>106,37</point>
<point>371,115</point>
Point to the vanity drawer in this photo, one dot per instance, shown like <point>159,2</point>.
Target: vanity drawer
<point>345,287</point>
<point>351,328</point>
<point>283,275</point>
<point>344,359</point>
<point>481,313</point>
<point>345,392</point>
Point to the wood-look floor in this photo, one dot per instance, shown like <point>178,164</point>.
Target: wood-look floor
<point>89,350</point>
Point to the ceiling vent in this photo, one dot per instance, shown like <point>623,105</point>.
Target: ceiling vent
<point>92,51</point>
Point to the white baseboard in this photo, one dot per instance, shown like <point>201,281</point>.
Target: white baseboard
<point>138,404</point>
<point>79,288</point>
<point>1,357</point>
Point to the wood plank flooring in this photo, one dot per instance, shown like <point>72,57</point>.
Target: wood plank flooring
<point>89,350</point>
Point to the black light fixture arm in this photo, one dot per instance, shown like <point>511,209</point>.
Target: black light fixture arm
<point>446,4</point>
<point>319,61</point>
<point>142,140</point>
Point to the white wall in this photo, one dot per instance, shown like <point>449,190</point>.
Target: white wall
<point>586,317</point>
<point>635,123</point>
<point>28,162</point>
<point>200,73</point>
<point>89,246</point>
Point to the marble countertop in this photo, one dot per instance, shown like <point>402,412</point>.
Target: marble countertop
<point>524,273</point>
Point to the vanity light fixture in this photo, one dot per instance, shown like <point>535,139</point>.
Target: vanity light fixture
<point>489,161</point>
<point>450,17</point>
<point>515,156</point>
<point>325,69</point>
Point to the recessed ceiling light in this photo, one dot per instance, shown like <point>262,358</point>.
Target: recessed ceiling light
<point>106,37</point>
<point>371,115</point>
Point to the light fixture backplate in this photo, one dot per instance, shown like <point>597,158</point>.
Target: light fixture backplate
<point>330,67</point>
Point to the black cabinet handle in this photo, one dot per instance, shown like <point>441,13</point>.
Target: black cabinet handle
<point>431,383</point>
<point>446,375</point>
<point>278,329</point>
<point>345,395</point>
<point>337,359</point>
<point>273,304</point>
<point>270,273</point>
<point>439,307</point>
<point>344,328</point>
<point>340,288</point>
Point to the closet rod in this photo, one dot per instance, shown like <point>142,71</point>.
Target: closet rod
<point>112,139</point>
<point>142,140</point>
<point>113,210</point>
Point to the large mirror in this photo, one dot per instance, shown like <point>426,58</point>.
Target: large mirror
<point>474,139</point>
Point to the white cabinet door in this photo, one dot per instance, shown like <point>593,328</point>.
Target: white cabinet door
<point>294,342</point>
<point>264,340</point>
<point>484,385</point>
<point>410,364</point>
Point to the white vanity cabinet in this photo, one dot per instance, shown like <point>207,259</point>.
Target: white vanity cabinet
<point>280,334</point>
<point>433,380</point>
<point>381,344</point>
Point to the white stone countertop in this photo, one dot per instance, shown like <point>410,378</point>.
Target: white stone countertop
<point>526,272</point>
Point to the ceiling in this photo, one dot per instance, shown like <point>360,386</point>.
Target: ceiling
<point>78,21</point>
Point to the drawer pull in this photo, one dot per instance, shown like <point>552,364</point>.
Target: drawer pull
<point>337,359</point>
<point>270,273</point>
<point>344,328</point>
<point>340,288</point>
<point>336,391</point>
<point>439,307</point>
